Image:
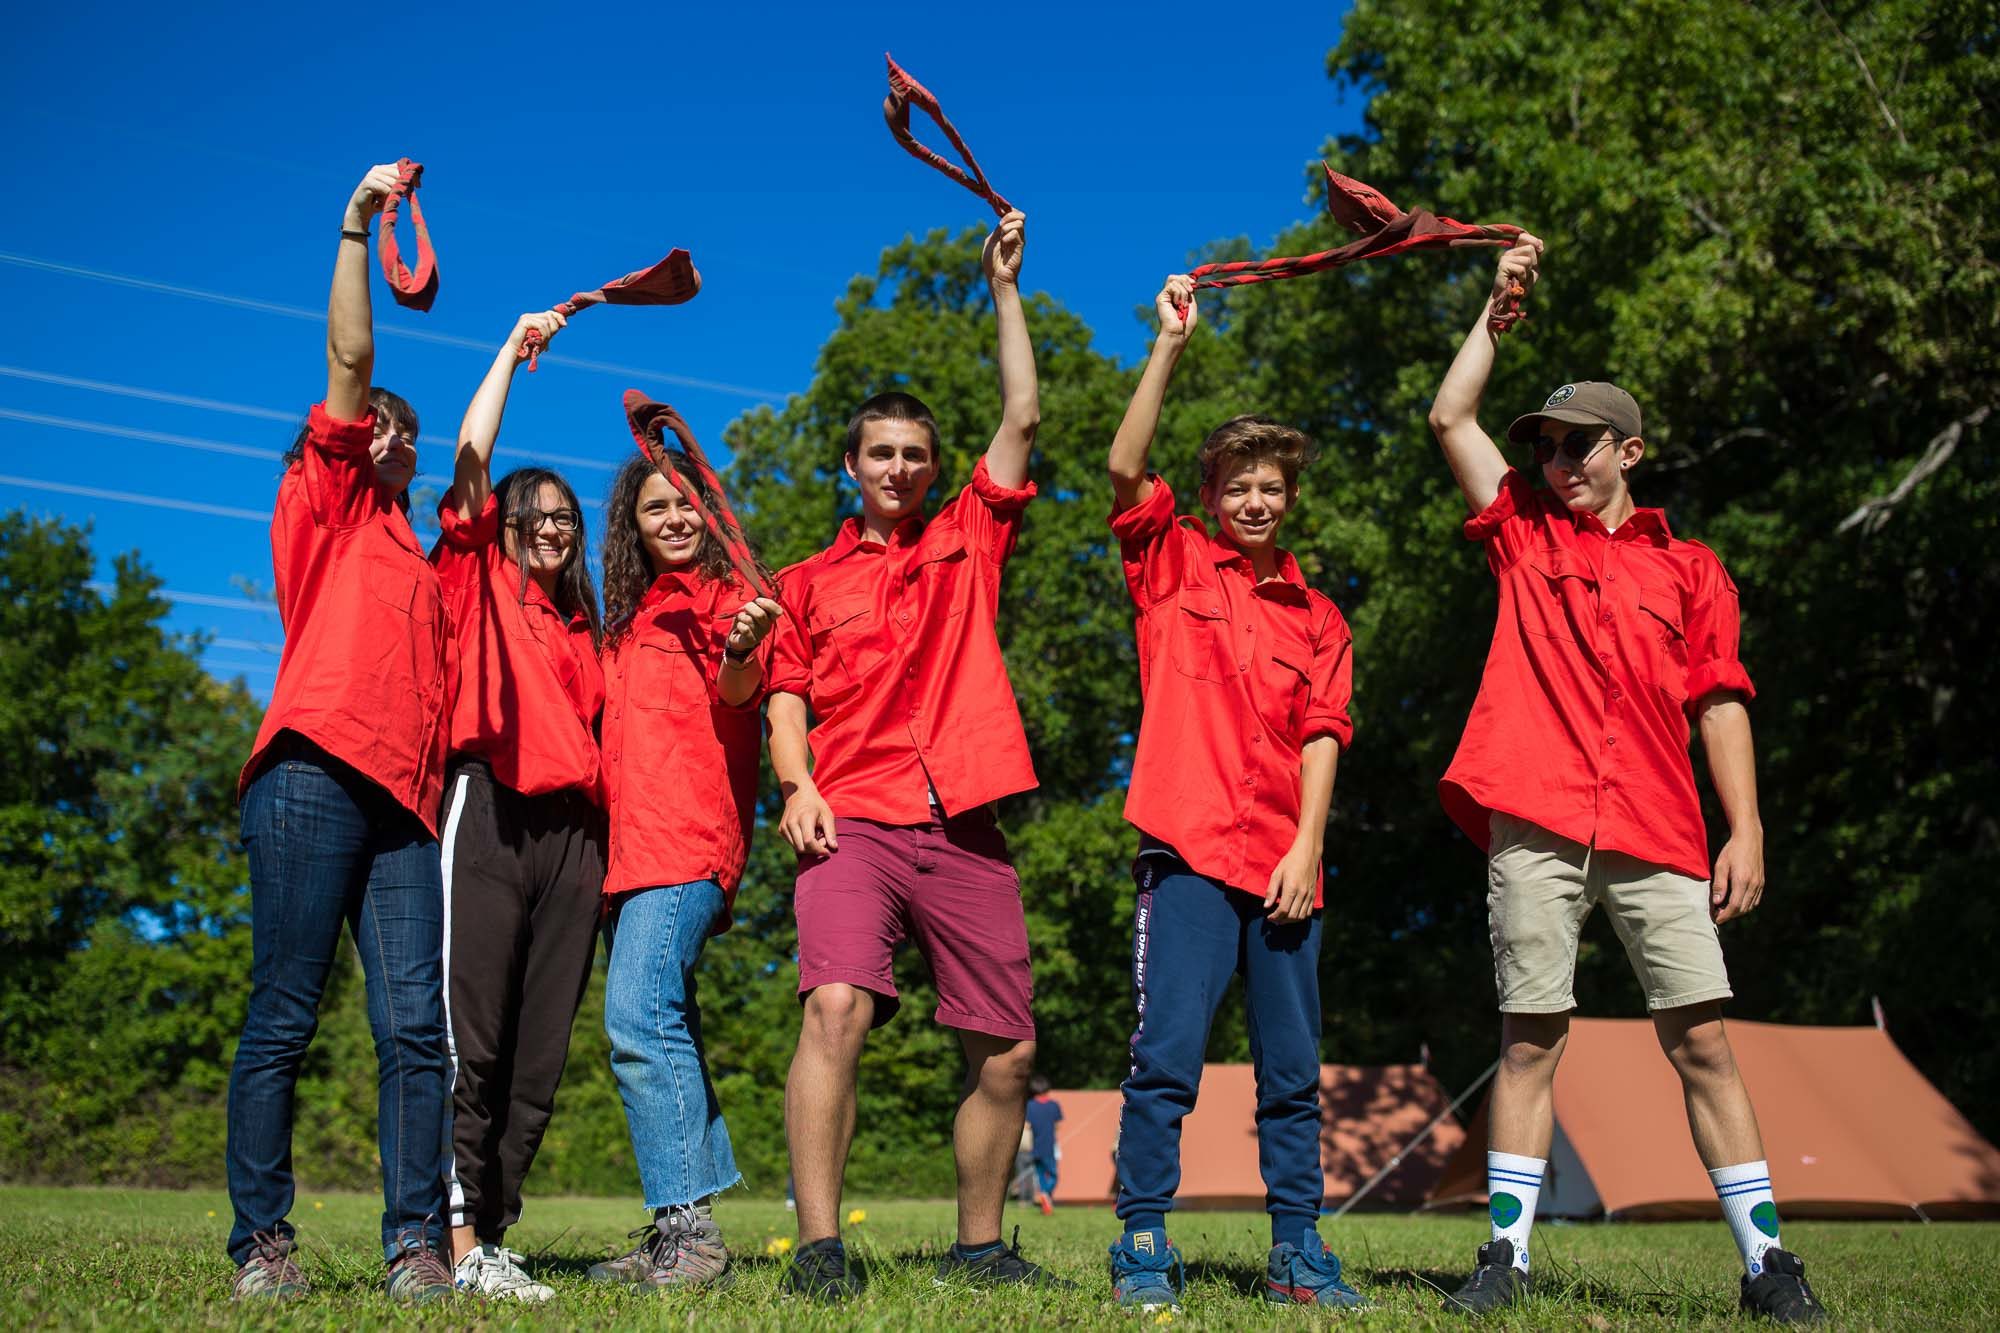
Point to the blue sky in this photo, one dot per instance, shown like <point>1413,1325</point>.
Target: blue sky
<point>178,176</point>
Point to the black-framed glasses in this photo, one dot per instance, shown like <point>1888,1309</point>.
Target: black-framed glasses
<point>566,520</point>
<point>1575,448</point>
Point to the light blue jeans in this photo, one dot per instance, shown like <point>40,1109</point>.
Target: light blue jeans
<point>654,938</point>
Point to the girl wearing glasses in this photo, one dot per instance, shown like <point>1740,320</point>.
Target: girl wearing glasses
<point>1614,634</point>
<point>523,839</point>
<point>684,680</point>
<point>340,804</point>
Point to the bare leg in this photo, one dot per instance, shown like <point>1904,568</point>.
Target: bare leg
<point>462,1243</point>
<point>988,1130</point>
<point>1523,1107</point>
<point>819,1102</point>
<point>1720,1116</point>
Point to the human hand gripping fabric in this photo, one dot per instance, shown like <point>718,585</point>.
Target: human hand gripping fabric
<point>1175,309</point>
<point>366,202</point>
<point>1515,276</point>
<point>538,328</point>
<point>756,619</point>
<point>1006,245</point>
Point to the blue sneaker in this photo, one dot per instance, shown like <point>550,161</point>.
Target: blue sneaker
<point>1146,1272</point>
<point>1308,1275</point>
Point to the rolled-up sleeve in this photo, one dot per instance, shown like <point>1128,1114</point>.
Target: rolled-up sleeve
<point>1506,524</point>
<point>338,472</point>
<point>1332,685</point>
<point>989,514</point>
<point>1714,631</point>
<point>1146,546</point>
<point>788,668</point>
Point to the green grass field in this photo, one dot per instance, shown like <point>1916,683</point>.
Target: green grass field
<point>142,1260</point>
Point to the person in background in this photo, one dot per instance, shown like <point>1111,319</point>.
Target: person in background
<point>1045,1154</point>
<point>340,808</point>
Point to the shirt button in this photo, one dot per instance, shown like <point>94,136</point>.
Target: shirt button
<point>1607,784</point>
<point>1242,666</point>
<point>1604,657</point>
<point>911,673</point>
<point>1611,740</point>
<point>1240,824</point>
<point>1617,693</point>
<point>1607,617</point>
<point>1249,629</point>
<point>1256,740</point>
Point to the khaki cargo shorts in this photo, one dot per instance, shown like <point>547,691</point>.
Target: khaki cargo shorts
<point>1540,889</point>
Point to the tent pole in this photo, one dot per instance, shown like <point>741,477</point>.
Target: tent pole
<point>1425,1133</point>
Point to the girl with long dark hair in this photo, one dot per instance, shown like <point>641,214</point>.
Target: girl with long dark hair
<point>340,803</point>
<point>682,735</point>
<point>523,844</point>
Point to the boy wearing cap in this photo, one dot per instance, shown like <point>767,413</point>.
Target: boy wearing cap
<point>1573,775</point>
<point>889,637</point>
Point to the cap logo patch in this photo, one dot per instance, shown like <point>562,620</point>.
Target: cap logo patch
<point>1561,396</point>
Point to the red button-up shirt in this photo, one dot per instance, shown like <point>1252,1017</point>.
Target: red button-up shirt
<point>1236,676</point>
<point>894,648</point>
<point>1605,644</point>
<point>368,666</point>
<point>529,686</point>
<point>680,764</point>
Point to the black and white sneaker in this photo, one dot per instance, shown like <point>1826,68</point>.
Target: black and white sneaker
<point>1495,1283</point>
<point>819,1271</point>
<point>1002,1266</point>
<point>1780,1293</point>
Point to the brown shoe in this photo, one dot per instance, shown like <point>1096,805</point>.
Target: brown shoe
<point>693,1256</point>
<point>270,1273</point>
<point>637,1263</point>
<point>419,1276</point>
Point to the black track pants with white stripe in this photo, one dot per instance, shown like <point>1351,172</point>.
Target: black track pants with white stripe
<point>523,879</point>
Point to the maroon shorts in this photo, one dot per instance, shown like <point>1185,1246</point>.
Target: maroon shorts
<point>946,885</point>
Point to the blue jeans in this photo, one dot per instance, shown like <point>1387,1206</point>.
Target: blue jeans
<point>328,847</point>
<point>1190,937</point>
<point>654,938</point>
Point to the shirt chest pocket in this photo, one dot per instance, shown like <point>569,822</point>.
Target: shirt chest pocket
<point>1286,689</point>
<point>667,676</point>
<point>1201,646</point>
<point>839,632</point>
<point>938,579</point>
<point>1558,596</point>
<point>1665,650</point>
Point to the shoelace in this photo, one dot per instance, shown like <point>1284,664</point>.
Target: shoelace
<point>428,1266</point>
<point>272,1254</point>
<point>1172,1270</point>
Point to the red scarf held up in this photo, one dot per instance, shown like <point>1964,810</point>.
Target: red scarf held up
<point>649,420</point>
<point>1384,230</point>
<point>416,290</point>
<point>669,282</point>
<point>904,93</point>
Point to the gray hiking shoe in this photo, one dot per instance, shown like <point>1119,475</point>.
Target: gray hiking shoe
<point>270,1273</point>
<point>693,1255</point>
<point>419,1276</point>
<point>636,1263</point>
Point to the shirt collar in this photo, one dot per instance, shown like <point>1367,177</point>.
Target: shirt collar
<point>1643,523</point>
<point>849,537</point>
<point>673,582</point>
<point>1226,552</point>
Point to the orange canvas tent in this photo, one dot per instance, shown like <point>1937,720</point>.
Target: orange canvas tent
<point>1850,1127</point>
<point>1368,1113</point>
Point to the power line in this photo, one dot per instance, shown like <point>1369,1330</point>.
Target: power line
<point>138,498</point>
<point>261,413</point>
<point>163,437</point>
<point>391,330</point>
<point>245,645</point>
<point>101,586</point>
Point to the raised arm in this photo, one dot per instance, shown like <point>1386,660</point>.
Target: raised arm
<point>1738,882</point>
<point>1475,460</point>
<point>808,820</point>
<point>1130,481</point>
<point>472,473</point>
<point>1020,397</point>
<point>350,322</point>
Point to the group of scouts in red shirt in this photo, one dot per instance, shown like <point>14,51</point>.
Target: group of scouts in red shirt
<point>476,772</point>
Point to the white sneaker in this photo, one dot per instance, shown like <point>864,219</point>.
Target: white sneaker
<point>493,1270</point>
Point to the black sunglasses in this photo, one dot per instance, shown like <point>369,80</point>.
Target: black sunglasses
<point>1576,448</point>
<point>566,520</point>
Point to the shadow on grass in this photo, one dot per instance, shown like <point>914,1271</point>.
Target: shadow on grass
<point>1570,1285</point>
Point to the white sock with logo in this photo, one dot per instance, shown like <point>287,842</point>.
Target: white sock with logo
<point>1750,1210</point>
<point>1513,1184</point>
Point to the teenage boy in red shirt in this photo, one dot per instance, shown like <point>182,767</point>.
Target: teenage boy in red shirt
<point>889,637</point>
<point>1573,775</point>
<point>1246,674</point>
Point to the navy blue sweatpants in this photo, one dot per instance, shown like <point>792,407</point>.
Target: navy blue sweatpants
<point>1190,936</point>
